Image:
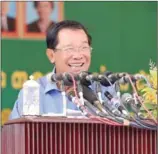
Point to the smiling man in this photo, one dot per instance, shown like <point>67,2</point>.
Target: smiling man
<point>69,49</point>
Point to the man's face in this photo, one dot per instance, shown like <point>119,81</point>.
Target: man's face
<point>5,8</point>
<point>44,10</point>
<point>74,54</point>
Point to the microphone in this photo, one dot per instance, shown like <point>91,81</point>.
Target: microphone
<point>94,109</point>
<point>89,95</point>
<point>53,77</point>
<point>102,78</point>
<point>134,78</point>
<point>120,77</point>
<point>67,79</point>
<point>109,78</point>
<point>78,77</point>
<point>106,79</point>
<point>114,102</point>
<point>89,106</point>
<point>116,76</point>
<point>83,76</point>
<point>128,100</point>
<point>75,100</point>
<point>111,109</point>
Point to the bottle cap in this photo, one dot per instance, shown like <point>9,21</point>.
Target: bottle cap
<point>31,82</point>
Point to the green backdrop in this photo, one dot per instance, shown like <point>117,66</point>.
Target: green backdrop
<point>124,39</point>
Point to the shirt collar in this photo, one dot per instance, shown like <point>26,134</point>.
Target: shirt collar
<point>49,85</point>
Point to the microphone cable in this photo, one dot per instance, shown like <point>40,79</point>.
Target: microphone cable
<point>104,120</point>
<point>140,123</point>
<point>136,94</point>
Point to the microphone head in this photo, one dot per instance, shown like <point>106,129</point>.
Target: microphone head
<point>139,77</point>
<point>82,77</point>
<point>109,78</point>
<point>93,77</point>
<point>52,77</point>
<point>67,78</point>
<point>128,100</point>
<point>83,74</point>
<point>107,73</point>
<point>125,79</point>
<point>88,94</point>
<point>116,76</point>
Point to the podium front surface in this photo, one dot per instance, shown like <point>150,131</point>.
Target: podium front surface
<point>48,135</point>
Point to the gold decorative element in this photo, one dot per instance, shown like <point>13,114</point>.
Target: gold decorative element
<point>5,115</point>
<point>103,68</point>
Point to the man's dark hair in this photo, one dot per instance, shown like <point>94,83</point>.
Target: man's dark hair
<point>53,30</point>
<point>36,3</point>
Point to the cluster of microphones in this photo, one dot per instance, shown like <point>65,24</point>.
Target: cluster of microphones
<point>100,102</point>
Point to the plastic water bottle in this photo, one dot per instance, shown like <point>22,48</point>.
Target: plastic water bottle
<point>31,100</point>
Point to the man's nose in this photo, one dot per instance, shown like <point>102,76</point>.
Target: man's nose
<point>77,55</point>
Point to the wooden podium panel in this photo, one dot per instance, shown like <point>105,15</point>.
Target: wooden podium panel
<point>48,135</point>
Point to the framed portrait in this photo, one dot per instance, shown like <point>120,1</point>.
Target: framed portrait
<point>9,24</point>
<point>39,15</point>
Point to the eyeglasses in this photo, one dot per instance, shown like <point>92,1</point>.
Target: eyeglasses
<point>69,50</point>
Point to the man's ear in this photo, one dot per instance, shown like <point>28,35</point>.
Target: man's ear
<point>51,55</point>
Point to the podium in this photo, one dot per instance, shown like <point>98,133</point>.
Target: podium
<point>57,135</point>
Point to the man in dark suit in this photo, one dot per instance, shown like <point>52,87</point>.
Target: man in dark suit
<point>44,10</point>
<point>7,23</point>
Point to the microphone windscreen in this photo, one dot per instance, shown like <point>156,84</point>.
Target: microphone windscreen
<point>83,79</point>
<point>106,81</point>
<point>52,77</point>
<point>88,94</point>
<point>108,73</point>
<point>126,98</point>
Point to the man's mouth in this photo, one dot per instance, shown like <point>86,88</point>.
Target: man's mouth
<point>76,65</point>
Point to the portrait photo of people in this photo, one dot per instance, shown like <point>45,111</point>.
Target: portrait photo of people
<point>40,15</point>
<point>8,16</point>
